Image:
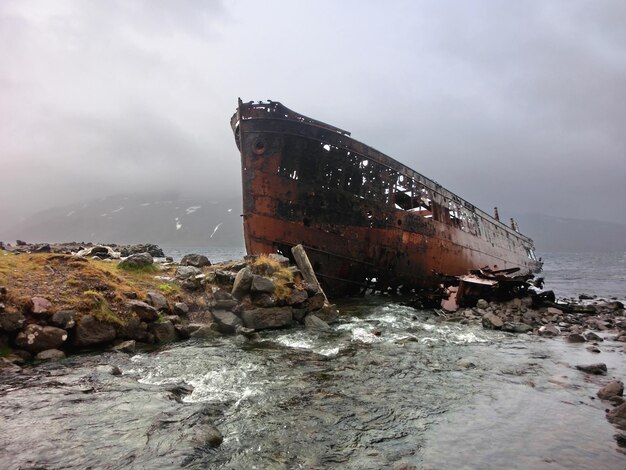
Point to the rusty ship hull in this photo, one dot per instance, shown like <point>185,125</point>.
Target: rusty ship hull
<point>363,217</point>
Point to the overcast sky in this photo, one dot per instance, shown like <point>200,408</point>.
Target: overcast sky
<point>516,104</point>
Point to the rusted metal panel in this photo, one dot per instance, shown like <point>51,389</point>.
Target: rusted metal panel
<point>361,215</point>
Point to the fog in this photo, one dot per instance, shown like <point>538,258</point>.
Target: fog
<point>519,105</point>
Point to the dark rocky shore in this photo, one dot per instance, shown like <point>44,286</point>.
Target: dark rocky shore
<point>195,298</point>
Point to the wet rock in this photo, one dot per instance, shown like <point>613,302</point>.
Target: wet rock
<point>7,366</point>
<point>144,311</point>
<point>466,363</point>
<point>328,313</point>
<point>129,346</point>
<point>40,306</point>
<point>492,321</point>
<point>613,388</point>
<point>10,322</point>
<point>267,318</point>
<point>181,308</point>
<point>549,330</point>
<point>618,415</point>
<point>312,322</point>
<point>575,338</point>
<point>516,327</point>
<point>591,336</point>
<point>195,260</point>
<point>595,369</point>
<point>135,329</point>
<point>157,300</point>
<point>108,369</point>
<point>187,272</point>
<point>183,331</point>
<point>91,332</point>
<point>205,331</point>
<point>242,284</point>
<point>64,319</point>
<point>227,321</point>
<point>50,355</point>
<point>164,332</point>
<point>137,261</point>
<point>482,303</point>
<point>36,338</point>
<point>207,436</point>
<point>593,349</point>
<point>584,297</point>
<point>246,332</point>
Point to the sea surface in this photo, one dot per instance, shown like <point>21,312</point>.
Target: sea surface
<point>388,386</point>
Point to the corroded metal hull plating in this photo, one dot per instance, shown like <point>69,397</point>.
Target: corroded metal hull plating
<point>362,216</point>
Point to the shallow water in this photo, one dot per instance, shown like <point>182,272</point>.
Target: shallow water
<point>388,385</point>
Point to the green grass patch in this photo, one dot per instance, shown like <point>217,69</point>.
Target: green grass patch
<point>146,268</point>
<point>100,308</point>
<point>168,289</point>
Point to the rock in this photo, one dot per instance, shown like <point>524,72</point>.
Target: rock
<point>227,322</point>
<point>311,322</point>
<point>40,306</point>
<point>328,313</point>
<point>482,303</point>
<point>595,369</point>
<point>135,329</point>
<point>205,331</point>
<point>242,284</point>
<point>516,327</point>
<point>144,311</point>
<point>262,285</point>
<point>264,300</point>
<point>554,311</point>
<point>50,355</point>
<point>298,296</point>
<point>221,294</point>
<point>466,363</point>
<point>137,261</point>
<point>157,300</point>
<point>575,338</point>
<point>175,319</point>
<point>10,322</point>
<point>593,349</point>
<point>618,415</point>
<point>267,318</point>
<point>195,260</point>
<point>282,260</point>
<point>100,251</point>
<point>36,338</point>
<point>585,297</point>
<point>225,304</point>
<point>153,250</point>
<point>187,272</point>
<point>246,332</point>
<point>108,369</point>
<point>64,319</point>
<point>126,346</point>
<point>184,331</point>
<point>181,308</point>
<point>201,316</point>
<point>549,330</point>
<point>20,243</point>
<point>3,293</point>
<point>492,321</point>
<point>90,332</point>
<point>164,332</point>
<point>591,336</point>
<point>7,366</point>
<point>207,436</point>
<point>224,277</point>
<point>613,388</point>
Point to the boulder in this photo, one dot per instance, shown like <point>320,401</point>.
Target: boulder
<point>135,329</point>
<point>153,250</point>
<point>554,311</point>
<point>298,296</point>
<point>482,303</point>
<point>204,331</point>
<point>575,338</point>
<point>181,308</point>
<point>549,330</point>
<point>328,313</point>
<point>90,332</point>
<point>612,389</point>
<point>267,318</point>
<point>64,319</point>
<point>224,277</point>
<point>492,321</point>
<point>137,261</point>
<point>195,260</point>
<point>311,322</point>
<point>144,311</point>
<point>593,349</point>
<point>201,316</point>
<point>50,355</point>
<point>262,285</point>
<point>595,369</point>
<point>227,322</point>
<point>157,300</point>
<point>315,302</point>
<point>225,304</point>
<point>282,260</point>
<point>242,284</point>
<point>128,346</point>
<point>591,336</point>
<point>40,306</point>
<point>187,272</point>
<point>36,338</point>
<point>164,332</point>
<point>516,327</point>
<point>11,321</point>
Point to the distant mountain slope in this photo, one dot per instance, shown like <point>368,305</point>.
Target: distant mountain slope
<point>173,220</point>
<point>555,234</point>
<point>166,219</point>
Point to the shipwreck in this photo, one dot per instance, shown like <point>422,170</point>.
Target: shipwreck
<point>364,218</point>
